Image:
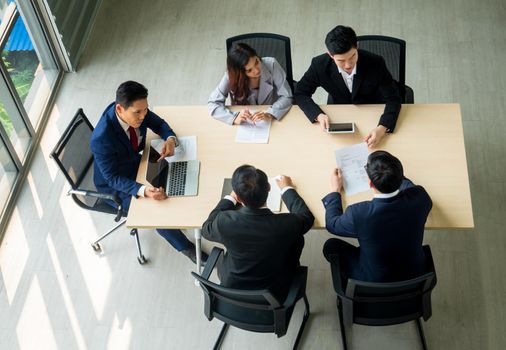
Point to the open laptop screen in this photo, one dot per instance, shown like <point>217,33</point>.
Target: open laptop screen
<point>157,172</point>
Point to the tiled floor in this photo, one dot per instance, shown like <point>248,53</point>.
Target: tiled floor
<point>56,293</point>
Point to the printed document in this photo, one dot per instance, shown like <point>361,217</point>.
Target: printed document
<point>248,132</point>
<point>351,160</point>
<point>186,150</point>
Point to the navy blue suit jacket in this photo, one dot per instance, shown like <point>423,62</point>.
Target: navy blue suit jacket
<point>116,163</point>
<point>372,84</point>
<point>389,231</point>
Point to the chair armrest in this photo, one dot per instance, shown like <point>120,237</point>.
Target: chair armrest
<point>297,287</point>
<point>100,195</point>
<point>211,262</point>
<point>95,194</point>
<point>335,269</point>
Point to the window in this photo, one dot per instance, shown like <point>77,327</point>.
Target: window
<point>28,76</point>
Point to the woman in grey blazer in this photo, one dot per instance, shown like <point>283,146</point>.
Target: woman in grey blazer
<point>250,80</point>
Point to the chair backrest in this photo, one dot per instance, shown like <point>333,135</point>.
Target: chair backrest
<point>393,303</point>
<point>392,50</point>
<point>252,310</point>
<point>269,45</point>
<point>73,156</point>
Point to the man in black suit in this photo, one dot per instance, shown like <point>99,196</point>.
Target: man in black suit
<point>389,228</point>
<point>263,248</point>
<point>350,76</point>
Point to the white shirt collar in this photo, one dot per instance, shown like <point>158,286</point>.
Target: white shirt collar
<point>386,195</point>
<point>124,125</point>
<point>343,72</point>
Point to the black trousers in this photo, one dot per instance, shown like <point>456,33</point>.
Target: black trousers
<point>344,258</point>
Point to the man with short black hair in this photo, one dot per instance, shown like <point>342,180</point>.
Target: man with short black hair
<point>263,248</point>
<point>350,76</point>
<point>389,228</point>
<point>116,142</point>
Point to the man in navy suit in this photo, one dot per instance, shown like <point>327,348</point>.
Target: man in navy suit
<point>389,228</point>
<point>116,142</point>
<point>350,76</point>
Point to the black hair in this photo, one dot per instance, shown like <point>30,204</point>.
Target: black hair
<point>129,92</point>
<point>340,40</point>
<point>251,185</point>
<point>385,171</point>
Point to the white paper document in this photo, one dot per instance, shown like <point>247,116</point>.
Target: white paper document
<point>274,198</point>
<point>351,160</point>
<point>253,133</point>
<point>187,149</point>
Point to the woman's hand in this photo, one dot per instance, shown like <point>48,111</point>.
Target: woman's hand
<point>261,115</point>
<point>242,117</point>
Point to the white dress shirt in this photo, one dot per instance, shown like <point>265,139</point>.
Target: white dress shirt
<point>348,78</point>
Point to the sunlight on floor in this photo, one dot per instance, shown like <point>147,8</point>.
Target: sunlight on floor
<point>13,256</point>
<point>120,334</point>
<point>67,299</point>
<point>36,200</point>
<point>34,325</point>
<point>95,271</point>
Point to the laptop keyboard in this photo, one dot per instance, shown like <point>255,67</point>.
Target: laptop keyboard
<point>177,178</point>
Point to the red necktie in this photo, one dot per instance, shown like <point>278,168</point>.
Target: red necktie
<point>133,138</point>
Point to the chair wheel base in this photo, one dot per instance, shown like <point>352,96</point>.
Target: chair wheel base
<point>142,260</point>
<point>97,247</point>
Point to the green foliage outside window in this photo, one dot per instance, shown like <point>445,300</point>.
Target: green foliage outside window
<point>21,66</point>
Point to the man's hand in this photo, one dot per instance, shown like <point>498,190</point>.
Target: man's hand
<point>323,119</point>
<point>284,181</point>
<point>167,148</point>
<point>375,136</point>
<point>157,193</point>
<point>336,180</point>
<point>261,115</point>
<point>242,117</point>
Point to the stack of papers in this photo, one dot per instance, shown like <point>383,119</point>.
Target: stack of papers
<point>351,160</point>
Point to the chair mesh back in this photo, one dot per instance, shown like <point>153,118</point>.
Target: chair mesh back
<point>392,50</point>
<point>74,158</point>
<point>246,309</point>
<point>268,45</point>
<point>389,300</point>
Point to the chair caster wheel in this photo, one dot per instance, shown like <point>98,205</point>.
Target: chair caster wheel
<point>97,247</point>
<point>142,260</point>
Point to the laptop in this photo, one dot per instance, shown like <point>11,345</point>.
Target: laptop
<point>177,178</point>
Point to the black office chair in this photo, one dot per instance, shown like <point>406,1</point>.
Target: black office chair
<point>269,45</point>
<point>73,156</point>
<point>252,310</point>
<point>393,51</point>
<point>382,304</point>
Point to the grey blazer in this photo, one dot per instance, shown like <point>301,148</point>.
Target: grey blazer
<point>273,90</point>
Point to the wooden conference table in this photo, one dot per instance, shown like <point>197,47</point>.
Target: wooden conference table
<point>428,140</point>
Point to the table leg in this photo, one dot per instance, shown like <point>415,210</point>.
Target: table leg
<point>198,251</point>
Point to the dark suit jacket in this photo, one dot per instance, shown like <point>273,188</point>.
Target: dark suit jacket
<point>389,231</point>
<point>372,84</point>
<point>262,248</point>
<point>116,163</point>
